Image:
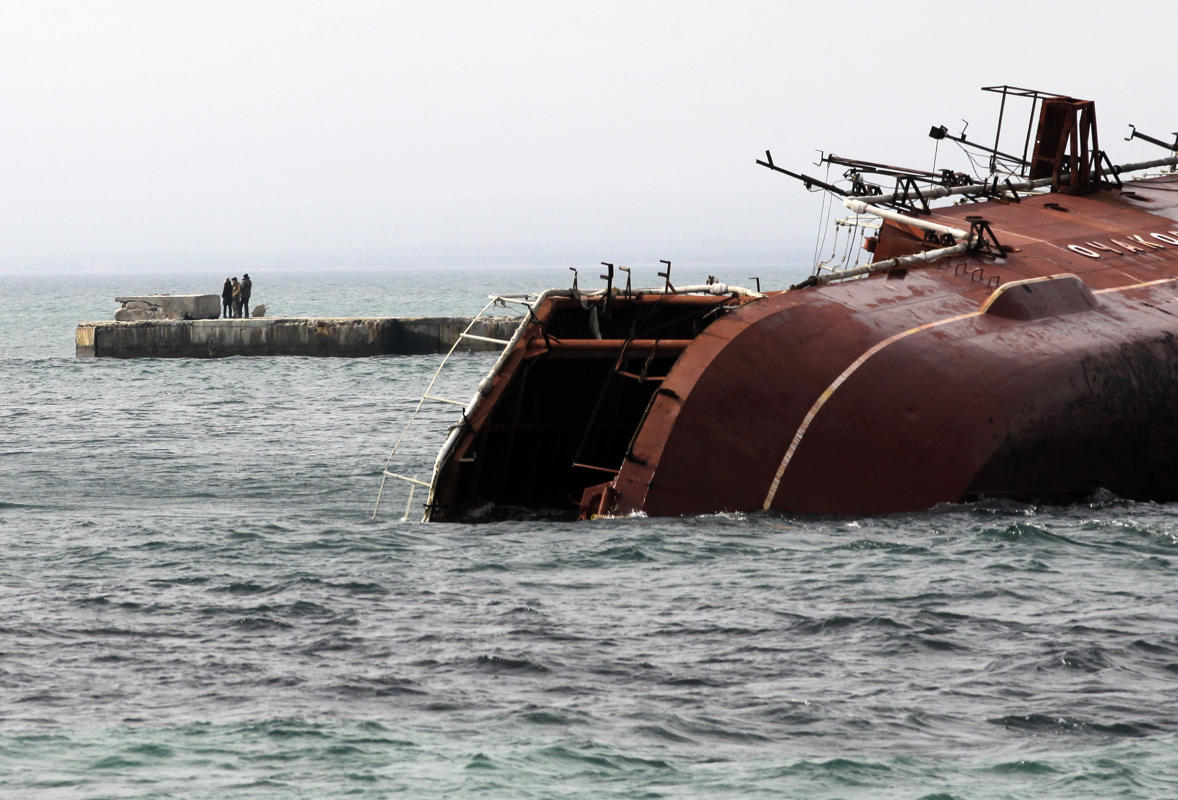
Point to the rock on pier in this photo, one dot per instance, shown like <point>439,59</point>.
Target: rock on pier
<point>168,306</point>
<point>268,336</point>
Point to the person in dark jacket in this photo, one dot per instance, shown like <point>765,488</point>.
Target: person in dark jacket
<point>246,286</point>
<point>227,299</point>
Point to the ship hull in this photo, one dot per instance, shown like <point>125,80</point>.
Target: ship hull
<point>923,401</point>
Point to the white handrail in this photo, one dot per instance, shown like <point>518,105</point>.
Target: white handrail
<point>420,403</point>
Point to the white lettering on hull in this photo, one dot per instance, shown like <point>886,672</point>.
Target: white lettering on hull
<point>1119,248</point>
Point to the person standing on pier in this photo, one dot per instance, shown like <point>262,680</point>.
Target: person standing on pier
<point>227,299</point>
<point>246,287</point>
<point>236,297</point>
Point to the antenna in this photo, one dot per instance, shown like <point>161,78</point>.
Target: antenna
<point>1135,134</point>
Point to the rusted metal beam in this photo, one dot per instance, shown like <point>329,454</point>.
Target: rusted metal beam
<point>604,348</point>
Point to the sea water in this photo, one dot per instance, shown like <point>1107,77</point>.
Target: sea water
<point>196,602</point>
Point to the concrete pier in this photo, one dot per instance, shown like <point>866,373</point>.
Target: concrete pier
<point>297,336</point>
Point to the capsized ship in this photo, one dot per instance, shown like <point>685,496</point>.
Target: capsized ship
<point>1021,342</point>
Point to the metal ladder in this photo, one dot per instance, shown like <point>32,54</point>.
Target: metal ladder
<point>500,301</point>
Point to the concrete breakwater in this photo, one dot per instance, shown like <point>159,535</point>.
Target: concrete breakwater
<point>319,336</point>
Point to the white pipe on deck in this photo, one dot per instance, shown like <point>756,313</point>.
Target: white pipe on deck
<point>894,263</point>
<point>859,207</point>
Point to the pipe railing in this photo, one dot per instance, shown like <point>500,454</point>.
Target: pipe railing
<point>860,205</point>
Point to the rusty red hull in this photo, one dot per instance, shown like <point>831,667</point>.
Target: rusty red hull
<point>1046,374</point>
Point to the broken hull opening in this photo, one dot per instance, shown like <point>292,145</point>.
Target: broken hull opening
<point>562,415</point>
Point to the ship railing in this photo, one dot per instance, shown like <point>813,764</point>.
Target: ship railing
<point>414,482</point>
<point>855,226</point>
<point>856,203</point>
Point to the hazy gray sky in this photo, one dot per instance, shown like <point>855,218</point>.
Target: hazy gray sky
<point>181,134</point>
